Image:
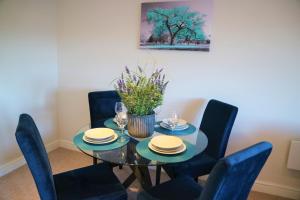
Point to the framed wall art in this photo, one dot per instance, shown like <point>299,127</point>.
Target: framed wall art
<point>179,25</point>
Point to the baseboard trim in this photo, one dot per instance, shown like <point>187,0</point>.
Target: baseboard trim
<point>52,146</point>
<point>276,189</point>
<point>20,161</point>
<point>11,166</point>
<point>68,145</point>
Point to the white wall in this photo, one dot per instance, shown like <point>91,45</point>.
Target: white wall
<point>254,63</point>
<point>28,72</point>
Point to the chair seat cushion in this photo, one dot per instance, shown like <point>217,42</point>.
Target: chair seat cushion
<point>199,165</point>
<point>89,183</point>
<point>180,188</point>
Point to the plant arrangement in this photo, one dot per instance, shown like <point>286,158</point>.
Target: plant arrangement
<point>140,93</point>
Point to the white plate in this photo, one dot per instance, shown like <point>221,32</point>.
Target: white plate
<point>178,128</point>
<point>167,152</point>
<point>115,136</point>
<point>166,142</point>
<point>97,140</point>
<point>99,134</point>
<point>181,122</point>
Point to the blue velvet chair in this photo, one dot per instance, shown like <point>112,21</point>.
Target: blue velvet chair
<point>231,178</point>
<point>93,182</point>
<point>217,122</point>
<point>102,106</point>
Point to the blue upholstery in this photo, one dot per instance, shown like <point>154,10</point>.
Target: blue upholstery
<point>33,149</point>
<point>98,182</point>
<point>231,178</point>
<point>217,122</point>
<point>102,106</point>
<point>181,188</point>
<point>93,182</point>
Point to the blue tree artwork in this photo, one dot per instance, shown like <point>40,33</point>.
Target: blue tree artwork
<point>180,25</point>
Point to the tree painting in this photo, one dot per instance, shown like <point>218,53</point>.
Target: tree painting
<point>176,25</point>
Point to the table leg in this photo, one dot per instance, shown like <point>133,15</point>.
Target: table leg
<point>130,179</point>
<point>143,176</point>
<point>158,172</point>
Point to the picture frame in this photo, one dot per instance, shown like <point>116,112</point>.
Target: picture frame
<point>176,25</point>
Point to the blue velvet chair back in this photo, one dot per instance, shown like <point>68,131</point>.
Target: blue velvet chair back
<point>102,106</point>
<point>233,176</point>
<point>217,122</point>
<point>33,149</point>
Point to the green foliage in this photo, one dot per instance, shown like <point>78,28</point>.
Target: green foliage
<point>179,23</point>
<point>139,93</point>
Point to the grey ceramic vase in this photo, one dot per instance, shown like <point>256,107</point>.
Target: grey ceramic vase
<point>141,126</point>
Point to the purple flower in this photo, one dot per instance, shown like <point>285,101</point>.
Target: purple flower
<point>164,86</point>
<point>139,79</point>
<point>134,78</point>
<point>140,69</point>
<point>127,70</point>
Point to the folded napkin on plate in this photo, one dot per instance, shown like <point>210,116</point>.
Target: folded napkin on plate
<point>181,124</point>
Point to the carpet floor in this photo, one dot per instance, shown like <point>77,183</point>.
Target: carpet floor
<point>19,184</point>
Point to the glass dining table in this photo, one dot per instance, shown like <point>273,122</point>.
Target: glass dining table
<point>128,155</point>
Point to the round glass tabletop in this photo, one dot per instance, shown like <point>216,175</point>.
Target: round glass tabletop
<point>128,155</point>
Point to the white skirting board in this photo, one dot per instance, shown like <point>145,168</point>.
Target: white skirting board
<point>20,161</point>
<point>276,189</point>
<point>259,186</point>
<point>68,145</point>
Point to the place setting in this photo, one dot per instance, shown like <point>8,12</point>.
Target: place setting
<point>100,139</point>
<point>174,126</point>
<point>165,149</point>
<point>169,145</point>
<point>99,136</point>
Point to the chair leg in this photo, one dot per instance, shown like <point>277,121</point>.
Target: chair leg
<point>158,172</point>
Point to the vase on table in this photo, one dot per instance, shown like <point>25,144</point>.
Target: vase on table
<point>141,94</point>
<point>141,126</point>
